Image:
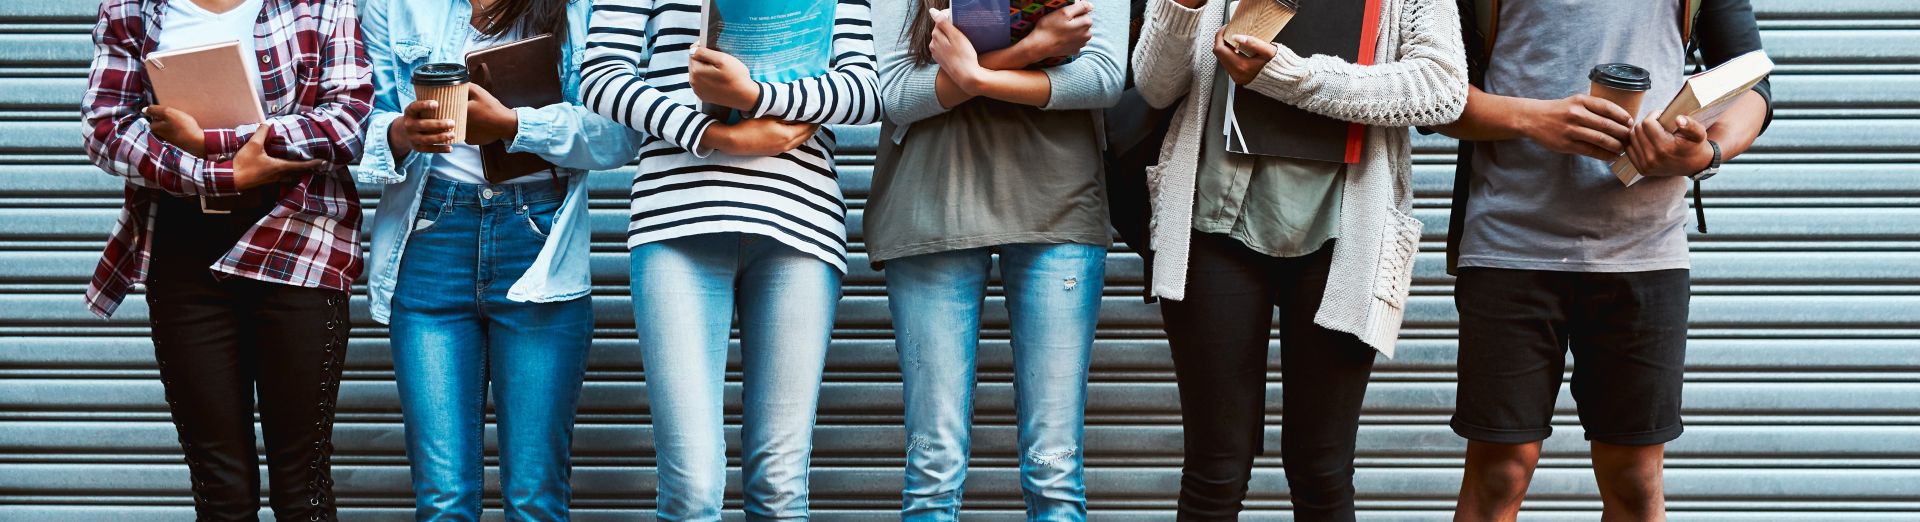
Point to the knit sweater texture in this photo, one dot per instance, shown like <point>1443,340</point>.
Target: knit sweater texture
<point>1419,78</point>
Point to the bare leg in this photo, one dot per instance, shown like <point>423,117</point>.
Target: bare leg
<point>1631,483</point>
<point>1496,481</point>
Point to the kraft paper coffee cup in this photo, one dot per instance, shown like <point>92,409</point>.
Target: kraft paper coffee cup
<point>445,83</point>
<point>1261,19</point>
<point>1623,84</point>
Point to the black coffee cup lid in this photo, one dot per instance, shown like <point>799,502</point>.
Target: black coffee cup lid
<point>1622,76</point>
<point>440,74</point>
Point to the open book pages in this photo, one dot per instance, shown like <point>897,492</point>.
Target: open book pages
<point>1704,97</point>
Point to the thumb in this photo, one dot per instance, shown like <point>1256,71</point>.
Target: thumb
<point>1689,129</point>
<point>477,93</point>
<point>261,135</point>
<point>1255,47</point>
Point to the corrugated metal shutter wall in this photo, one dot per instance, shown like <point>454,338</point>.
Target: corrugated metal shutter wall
<point>1803,400</point>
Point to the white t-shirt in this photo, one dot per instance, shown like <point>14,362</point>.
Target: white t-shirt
<point>464,164</point>
<point>186,25</point>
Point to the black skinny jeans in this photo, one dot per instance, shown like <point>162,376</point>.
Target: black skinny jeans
<point>1219,336</point>
<point>222,342</point>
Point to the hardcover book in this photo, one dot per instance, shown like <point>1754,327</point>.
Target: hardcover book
<point>525,73</point>
<point>1705,97</point>
<point>996,24</point>
<point>206,82</point>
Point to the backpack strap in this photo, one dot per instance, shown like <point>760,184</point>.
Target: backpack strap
<point>1689,13</point>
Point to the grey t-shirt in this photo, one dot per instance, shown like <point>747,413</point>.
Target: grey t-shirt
<point>1534,209</point>
<point>987,173</point>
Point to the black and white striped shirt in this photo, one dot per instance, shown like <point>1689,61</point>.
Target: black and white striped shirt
<point>636,73</point>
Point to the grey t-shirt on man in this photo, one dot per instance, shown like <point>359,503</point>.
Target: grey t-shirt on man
<point>1533,209</point>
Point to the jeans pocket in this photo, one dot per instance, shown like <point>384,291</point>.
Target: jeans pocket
<point>540,218</point>
<point>1394,279</point>
<point>427,216</point>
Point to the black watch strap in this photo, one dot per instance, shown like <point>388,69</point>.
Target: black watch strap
<point>1699,204</point>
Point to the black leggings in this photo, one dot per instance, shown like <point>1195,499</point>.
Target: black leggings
<point>1219,336</point>
<point>222,342</point>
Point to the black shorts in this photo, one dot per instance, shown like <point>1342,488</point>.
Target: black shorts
<point>1628,334</point>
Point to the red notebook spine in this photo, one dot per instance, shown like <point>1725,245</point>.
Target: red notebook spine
<point>1369,38</point>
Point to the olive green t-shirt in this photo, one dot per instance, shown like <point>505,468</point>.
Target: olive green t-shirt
<point>1281,207</point>
<point>984,174</point>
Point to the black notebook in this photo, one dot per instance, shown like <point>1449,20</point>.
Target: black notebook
<point>1256,124</point>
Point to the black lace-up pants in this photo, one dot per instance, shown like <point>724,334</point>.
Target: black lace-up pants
<point>222,344</point>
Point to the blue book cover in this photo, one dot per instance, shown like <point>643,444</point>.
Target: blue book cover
<point>987,23</point>
<point>779,40</point>
<point>996,24</point>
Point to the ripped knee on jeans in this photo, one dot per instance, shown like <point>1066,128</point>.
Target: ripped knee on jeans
<point>1049,458</point>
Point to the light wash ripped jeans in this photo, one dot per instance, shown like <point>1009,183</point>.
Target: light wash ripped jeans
<point>1053,299</point>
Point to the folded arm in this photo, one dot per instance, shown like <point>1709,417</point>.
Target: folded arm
<point>616,45</point>
<point>848,94</point>
<point>1163,58</point>
<point>1425,85</point>
<point>118,138</point>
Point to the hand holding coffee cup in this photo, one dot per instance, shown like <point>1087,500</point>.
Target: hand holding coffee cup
<point>446,85</point>
<point>417,131</point>
<point>1580,124</point>
<point>1623,84</point>
<point>1260,19</point>
<point>1242,65</point>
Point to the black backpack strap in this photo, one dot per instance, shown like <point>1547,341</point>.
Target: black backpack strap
<point>1477,57</point>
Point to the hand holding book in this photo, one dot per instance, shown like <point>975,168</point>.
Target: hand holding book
<point>721,79</point>
<point>1656,152</point>
<point>757,136</point>
<point>253,167</point>
<point>489,120</point>
<point>1061,33</point>
<point>178,128</point>
<point>953,51</point>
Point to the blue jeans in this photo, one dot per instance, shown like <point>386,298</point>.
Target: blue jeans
<point>1053,300</point>
<point>686,292</point>
<point>454,332</point>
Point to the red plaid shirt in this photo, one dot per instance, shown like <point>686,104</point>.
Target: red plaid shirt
<point>317,86</point>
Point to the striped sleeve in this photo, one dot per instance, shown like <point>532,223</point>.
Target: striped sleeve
<point>617,44</point>
<point>848,94</point>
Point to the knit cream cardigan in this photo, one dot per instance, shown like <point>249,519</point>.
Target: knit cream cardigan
<point>1419,78</point>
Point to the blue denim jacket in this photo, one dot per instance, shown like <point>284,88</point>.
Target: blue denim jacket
<point>402,34</point>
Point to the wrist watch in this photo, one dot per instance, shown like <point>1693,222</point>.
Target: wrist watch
<point>1713,167</point>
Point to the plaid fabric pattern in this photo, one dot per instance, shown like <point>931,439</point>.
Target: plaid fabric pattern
<point>318,90</point>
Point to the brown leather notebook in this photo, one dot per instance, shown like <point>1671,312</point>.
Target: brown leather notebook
<point>525,73</point>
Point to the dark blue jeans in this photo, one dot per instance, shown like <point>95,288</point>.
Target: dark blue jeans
<point>455,332</point>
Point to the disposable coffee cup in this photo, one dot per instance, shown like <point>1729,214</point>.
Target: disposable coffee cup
<point>445,83</point>
<point>1261,19</point>
<point>1623,84</point>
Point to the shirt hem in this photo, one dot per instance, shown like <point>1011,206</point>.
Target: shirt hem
<point>1574,266</point>
<point>878,256</point>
